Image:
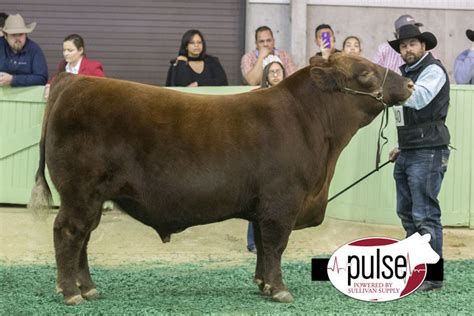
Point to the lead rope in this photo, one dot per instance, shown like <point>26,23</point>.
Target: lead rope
<point>378,97</point>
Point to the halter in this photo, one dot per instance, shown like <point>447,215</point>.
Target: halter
<point>379,97</point>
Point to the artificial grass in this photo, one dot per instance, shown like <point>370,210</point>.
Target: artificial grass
<point>197,289</point>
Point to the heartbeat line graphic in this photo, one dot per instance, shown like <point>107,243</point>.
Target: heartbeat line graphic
<point>409,269</point>
<point>335,266</point>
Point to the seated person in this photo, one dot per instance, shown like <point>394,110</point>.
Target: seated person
<point>351,46</point>
<point>194,67</point>
<point>464,64</point>
<point>22,62</point>
<point>3,17</point>
<point>273,71</point>
<point>251,64</point>
<point>75,60</point>
<point>325,40</point>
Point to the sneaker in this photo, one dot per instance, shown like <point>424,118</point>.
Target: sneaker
<point>430,286</point>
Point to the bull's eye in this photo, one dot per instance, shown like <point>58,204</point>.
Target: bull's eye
<point>365,73</point>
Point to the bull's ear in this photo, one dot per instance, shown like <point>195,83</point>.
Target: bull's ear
<point>328,78</point>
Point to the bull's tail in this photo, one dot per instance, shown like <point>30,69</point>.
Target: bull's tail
<point>41,200</point>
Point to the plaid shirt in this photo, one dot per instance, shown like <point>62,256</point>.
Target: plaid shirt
<point>250,59</point>
<point>387,57</point>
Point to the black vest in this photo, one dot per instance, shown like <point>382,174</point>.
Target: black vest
<point>425,127</point>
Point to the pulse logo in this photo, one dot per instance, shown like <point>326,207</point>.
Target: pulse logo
<point>381,269</point>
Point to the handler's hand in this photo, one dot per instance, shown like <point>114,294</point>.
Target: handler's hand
<point>393,154</point>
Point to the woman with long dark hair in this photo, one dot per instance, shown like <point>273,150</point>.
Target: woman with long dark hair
<point>193,66</point>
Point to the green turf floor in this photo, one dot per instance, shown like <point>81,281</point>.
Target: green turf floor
<point>198,289</point>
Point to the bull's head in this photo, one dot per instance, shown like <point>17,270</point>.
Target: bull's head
<point>352,74</point>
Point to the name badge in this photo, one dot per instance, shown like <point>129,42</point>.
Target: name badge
<point>398,114</point>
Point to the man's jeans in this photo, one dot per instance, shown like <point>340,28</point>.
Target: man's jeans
<point>418,175</point>
<point>250,239</point>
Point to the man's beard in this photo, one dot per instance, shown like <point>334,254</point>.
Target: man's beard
<point>17,47</point>
<point>411,59</point>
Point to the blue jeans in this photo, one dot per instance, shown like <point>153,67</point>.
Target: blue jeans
<point>250,239</point>
<point>418,175</point>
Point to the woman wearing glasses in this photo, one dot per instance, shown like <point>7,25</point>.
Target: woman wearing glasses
<point>193,67</point>
<point>273,71</point>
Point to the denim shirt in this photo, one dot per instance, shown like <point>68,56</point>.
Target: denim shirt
<point>464,67</point>
<point>28,67</point>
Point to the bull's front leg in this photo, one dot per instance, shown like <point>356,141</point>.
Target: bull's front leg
<point>274,238</point>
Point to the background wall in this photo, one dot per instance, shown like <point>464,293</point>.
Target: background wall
<point>135,40</point>
<point>372,21</point>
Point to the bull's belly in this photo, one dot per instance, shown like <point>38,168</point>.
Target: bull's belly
<point>172,218</point>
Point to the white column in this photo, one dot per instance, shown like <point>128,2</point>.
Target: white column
<point>298,11</point>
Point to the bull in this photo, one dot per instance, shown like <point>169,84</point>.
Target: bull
<point>173,160</point>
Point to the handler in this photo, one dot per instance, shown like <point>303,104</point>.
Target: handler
<point>422,157</point>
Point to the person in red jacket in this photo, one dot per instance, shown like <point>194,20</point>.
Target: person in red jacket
<point>75,60</point>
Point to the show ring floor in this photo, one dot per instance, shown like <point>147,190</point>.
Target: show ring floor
<point>119,239</point>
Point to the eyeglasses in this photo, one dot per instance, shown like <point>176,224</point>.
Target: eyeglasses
<point>275,72</point>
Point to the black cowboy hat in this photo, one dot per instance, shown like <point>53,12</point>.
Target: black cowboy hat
<point>412,31</point>
<point>470,34</point>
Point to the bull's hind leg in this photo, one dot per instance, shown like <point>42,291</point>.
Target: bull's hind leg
<point>72,228</point>
<point>84,279</point>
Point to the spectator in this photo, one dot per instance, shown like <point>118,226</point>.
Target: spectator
<point>3,17</point>
<point>327,46</point>
<point>273,74</point>
<point>351,46</point>
<point>194,67</point>
<point>22,62</point>
<point>422,158</point>
<point>251,64</point>
<point>75,60</point>
<point>464,64</point>
<point>385,56</point>
<point>273,71</point>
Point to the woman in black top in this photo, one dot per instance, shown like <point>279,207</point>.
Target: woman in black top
<point>193,67</point>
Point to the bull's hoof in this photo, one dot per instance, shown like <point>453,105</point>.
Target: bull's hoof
<point>59,290</point>
<point>74,300</point>
<point>283,297</point>
<point>259,283</point>
<point>267,290</point>
<point>92,294</point>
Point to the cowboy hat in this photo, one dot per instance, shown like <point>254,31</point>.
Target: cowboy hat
<point>470,34</point>
<point>412,31</point>
<point>15,24</point>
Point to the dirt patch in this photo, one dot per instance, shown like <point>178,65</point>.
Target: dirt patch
<point>119,239</point>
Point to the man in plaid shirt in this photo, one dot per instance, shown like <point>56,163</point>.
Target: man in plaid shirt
<point>251,64</point>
